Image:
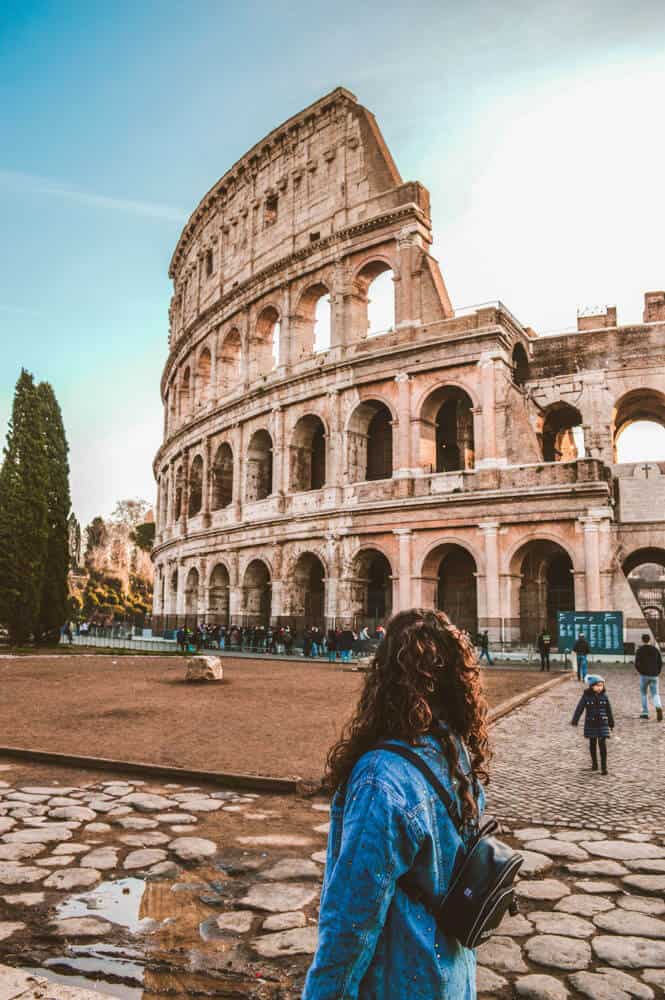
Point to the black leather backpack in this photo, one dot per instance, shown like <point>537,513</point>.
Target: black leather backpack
<point>482,883</point>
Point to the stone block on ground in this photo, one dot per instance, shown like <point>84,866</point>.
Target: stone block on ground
<point>300,941</point>
<point>537,987</point>
<point>204,668</point>
<point>558,952</point>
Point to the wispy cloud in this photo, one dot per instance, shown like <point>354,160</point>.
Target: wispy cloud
<point>13,180</point>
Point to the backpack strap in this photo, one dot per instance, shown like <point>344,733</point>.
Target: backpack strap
<point>426,771</point>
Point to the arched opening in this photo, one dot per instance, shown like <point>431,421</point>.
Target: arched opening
<point>520,365</point>
<point>203,373</point>
<point>456,591</point>
<point>373,587</point>
<point>179,483</point>
<point>192,593</point>
<point>546,587</point>
<point>645,572</point>
<point>256,593</point>
<point>222,477</point>
<point>185,394</point>
<point>370,443</point>
<point>639,427</point>
<point>447,438</point>
<point>230,361</point>
<point>374,304</point>
<point>264,353</point>
<point>195,487</point>
<point>563,435</point>
<point>173,589</point>
<point>313,322</point>
<point>309,589</point>
<point>259,467</point>
<point>219,595</point>
<point>308,455</point>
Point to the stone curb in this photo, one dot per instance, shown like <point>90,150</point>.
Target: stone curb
<point>512,703</point>
<point>249,782</point>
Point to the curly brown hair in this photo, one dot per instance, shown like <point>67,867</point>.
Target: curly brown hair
<point>424,670</point>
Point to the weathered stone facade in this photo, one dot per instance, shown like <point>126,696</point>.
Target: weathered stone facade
<point>434,463</point>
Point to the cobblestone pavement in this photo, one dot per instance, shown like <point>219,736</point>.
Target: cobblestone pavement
<point>541,767</point>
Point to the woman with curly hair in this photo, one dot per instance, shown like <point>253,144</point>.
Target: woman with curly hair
<point>391,841</point>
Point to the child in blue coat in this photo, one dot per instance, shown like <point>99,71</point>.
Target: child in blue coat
<point>598,720</point>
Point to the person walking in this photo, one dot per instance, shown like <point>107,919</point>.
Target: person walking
<point>376,938</point>
<point>598,720</point>
<point>484,642</point>
<point>649,663</point>
<point>332,645</point>
<point>345,643</point>
<point>581,650</point>
<point>544,643</point>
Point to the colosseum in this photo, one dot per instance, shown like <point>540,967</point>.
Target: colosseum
<point>333,454</point>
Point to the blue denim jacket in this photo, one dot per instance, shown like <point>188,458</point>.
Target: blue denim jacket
<point>375,942</point>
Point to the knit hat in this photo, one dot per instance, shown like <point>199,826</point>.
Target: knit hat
<point>592,679</point>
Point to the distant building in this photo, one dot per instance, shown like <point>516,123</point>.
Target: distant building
<point>319,463</point>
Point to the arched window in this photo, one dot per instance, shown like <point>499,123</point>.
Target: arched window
<point>230,361</point>
<point>639,427</point>
<point>546,587</point>
<point>374,311</point>
<point>222,477</point>
<point>308,589</point>
<point>373,587</point>
<point>312,324</point>
<point>308,454</point>
<point>256,593</point>
<point>259,467</point>
<point>520,365</point>
<point>563,435</point>
<point>219,596</point>
<point>203,377</point>
<point>195,487</point>
<point>185,394</point>
<point>265,346</point>
<point>456,588</point>
<point>447,439</point>
<point>370,443</point>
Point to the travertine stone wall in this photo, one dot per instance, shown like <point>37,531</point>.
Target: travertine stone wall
<point>343,480</point>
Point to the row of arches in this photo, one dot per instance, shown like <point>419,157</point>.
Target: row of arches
<point>544,580</point>
<point>311,328</point>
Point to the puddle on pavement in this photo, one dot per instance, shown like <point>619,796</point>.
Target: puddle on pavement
<point>159,945</point>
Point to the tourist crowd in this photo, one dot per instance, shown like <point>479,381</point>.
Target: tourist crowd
<point>339,643</point>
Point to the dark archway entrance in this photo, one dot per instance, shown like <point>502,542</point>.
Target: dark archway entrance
<point>373,588</point>
<point>645,572</point>
<point>456,591</point>
<point>546,588</point>
<point>256,593</point>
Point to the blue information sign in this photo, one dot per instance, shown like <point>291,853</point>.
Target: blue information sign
<point>603,630</point>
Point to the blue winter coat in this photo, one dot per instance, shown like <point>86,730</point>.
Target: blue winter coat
<point>598,719</point>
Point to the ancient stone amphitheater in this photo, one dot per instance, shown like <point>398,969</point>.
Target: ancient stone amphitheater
<point>334,453</point>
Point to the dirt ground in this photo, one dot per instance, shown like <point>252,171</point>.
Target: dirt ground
<point>267,717</point>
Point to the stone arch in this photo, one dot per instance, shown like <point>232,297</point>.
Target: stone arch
<point>185,394</point>
<point>371,585</point>
<point>265,342</point>
<point>370,441</point>
<point>449,578</point>
<point>520,364</point>
<point>256,592</point>
<point>219,589</point>
<point>562,434</point>
<point>447,442</point>
<point>230,360</point>
<point>258,483</point>
<point>179,485</point>
<point>203,377</point>
<point>222,477</point>
<point>645,407</point>
<point>312,322</point>
<point>308,454</point>
<point>307,587</point>
<point>373,316</point>
<point>645,571</point>
<point>195,487</point>
<point>543,570</point>
<point>192,592</point>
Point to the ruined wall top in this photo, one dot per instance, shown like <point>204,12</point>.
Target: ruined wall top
<point>309,177</point>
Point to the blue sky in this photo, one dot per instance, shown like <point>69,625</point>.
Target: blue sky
<point>537,128</point>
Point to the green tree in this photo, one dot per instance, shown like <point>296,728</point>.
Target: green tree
<point>144,535</point>
<point>54,607</point>
<point>23,513</point>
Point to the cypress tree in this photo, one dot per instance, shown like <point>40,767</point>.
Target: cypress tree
<point>23,513</point>
<point>54,593</point>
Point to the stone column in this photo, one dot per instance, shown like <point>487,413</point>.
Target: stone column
<point>404,596</point>
<point>278,456</point>
<point>238,468</point>
<point>235,590</point>
<point>591,563</point>
<point>490,531</point>
<point>204,596</point>
<point>245,340</point>
<point>185,490</point>
<point>182,580</point>
<point>276,584</point>
<point>403,425</point>
<point>287,349</point>
<point>338,300</point>
<point>488,452</point>
<point>407,278</point>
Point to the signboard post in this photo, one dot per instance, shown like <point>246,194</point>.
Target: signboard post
<point>603,630</point>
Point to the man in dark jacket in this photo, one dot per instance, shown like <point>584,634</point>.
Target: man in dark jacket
<point>544,643</point>
<point>649,663</point>
<point>581,651</point>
